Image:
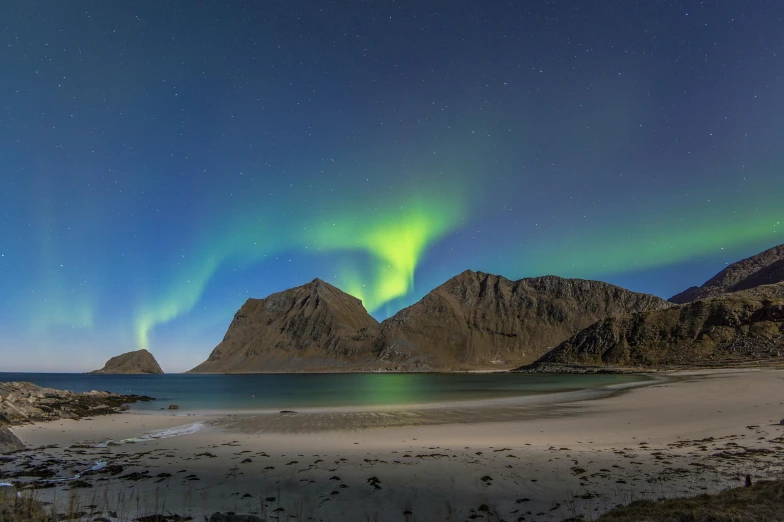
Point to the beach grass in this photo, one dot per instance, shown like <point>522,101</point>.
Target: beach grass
<point>24,508</point>
<point>761,502</point>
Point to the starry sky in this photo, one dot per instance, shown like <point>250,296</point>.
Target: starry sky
<point>161,162</point>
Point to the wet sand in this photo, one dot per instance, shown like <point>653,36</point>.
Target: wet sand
<point>699,431</point>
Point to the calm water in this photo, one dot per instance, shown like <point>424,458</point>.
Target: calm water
<point>242,392</point>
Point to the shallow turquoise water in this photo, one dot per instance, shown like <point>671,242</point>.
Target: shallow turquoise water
<point>290,391</point>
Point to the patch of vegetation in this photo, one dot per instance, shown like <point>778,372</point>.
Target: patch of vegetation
<point>761,502</point>
<point>24,509</point>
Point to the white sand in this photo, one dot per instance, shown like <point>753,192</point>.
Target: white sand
<point>646,442</point>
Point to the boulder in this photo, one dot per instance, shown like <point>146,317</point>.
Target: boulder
<point>8,442</point>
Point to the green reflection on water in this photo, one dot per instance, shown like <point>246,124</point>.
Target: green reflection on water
<point>398,388</point>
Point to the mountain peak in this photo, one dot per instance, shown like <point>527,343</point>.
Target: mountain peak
<point>311,327</point>
<point>480,320</point>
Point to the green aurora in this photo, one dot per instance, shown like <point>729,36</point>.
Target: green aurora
<point>157,174</point>
<point>394,237</point>
<point>671,239</point>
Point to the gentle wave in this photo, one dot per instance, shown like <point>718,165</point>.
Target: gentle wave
<point>177,431</point>
<point>99,464</point>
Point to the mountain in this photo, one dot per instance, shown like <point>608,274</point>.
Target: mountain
<point>140,361</point>
<point>762,269</point>
<point>314,327</point>
<point>481,321</point>
<point>735,327</point>
<point>474,321</point>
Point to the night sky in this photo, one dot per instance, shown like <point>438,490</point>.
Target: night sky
<point>161,162</point>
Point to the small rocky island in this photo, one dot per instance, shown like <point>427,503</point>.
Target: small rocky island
<point>138,362</point>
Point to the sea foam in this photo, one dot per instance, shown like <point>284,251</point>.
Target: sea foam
<point>99,464</point>
<point>177,431</point>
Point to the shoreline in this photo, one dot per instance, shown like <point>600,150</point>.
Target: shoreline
<point>696,431</point>
<point>531,399</point>
<point>545,398</point>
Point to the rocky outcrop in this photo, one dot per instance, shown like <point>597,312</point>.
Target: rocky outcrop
<point>762,269</point>
<point>138,362</point>
<point>24,402</point>
<point>479,321</point>
<point>314,327</point>
<point>736,327</point>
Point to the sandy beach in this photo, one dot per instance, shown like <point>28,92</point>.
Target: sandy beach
<point>695,432</point>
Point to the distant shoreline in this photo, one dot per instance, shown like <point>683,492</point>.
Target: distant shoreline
<point>332,393</point>
<point>521,401</point>
<point>648,370</point>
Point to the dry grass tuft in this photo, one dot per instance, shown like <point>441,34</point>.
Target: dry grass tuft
<point>762,502</point>
<point>23,509</point>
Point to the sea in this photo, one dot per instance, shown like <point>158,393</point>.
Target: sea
<point>227,393</point>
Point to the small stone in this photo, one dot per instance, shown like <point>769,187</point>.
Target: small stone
<point>174,406</point>
<point>221,517</point>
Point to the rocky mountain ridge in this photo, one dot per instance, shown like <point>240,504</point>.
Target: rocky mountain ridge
<point>473,321</point>
<point>478,321</point>
<point>761,269</point>
<point>730,328</point>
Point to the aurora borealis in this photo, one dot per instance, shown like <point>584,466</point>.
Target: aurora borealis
<point>161,162</point>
